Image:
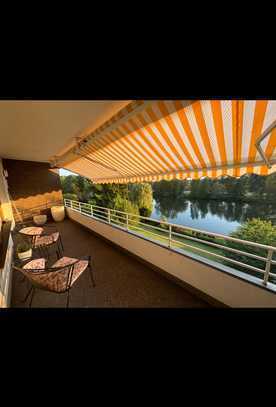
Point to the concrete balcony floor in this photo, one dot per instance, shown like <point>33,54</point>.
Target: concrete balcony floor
<point>121,280</point>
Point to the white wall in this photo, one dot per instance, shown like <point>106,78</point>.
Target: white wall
<point>6,272</point>
<point>225,288</point>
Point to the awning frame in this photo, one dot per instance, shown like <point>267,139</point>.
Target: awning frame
<point>266,133</point>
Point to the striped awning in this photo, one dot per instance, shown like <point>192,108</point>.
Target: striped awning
<point>154,140</point>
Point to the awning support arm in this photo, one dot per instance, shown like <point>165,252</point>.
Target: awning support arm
<point>260,139</point>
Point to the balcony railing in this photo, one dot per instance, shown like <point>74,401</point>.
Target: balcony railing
<point>178,237</point>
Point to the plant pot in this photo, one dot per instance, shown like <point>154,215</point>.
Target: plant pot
<point>25,255</point>
<point>58,213</point>
<point>40,219</point>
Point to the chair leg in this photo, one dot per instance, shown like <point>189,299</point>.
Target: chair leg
<point>61,247</point>
<point>61,243</point>
<point>27,295</point>
<point>91,275</point>
<point>47,252</point>
<point>58,250</point>
<point>32,297</point>
<point>22,279</point>
<point>67,302</point>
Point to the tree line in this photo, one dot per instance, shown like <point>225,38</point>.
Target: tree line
<point>132,198</point>
<point>170,196</point>
<point>247,188</point>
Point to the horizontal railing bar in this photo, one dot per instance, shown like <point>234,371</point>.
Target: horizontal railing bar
<point>219,256</point>
<point>101,207</point>
<point>100,216</point>
<point>117,221</point>
<point>98,210</point>
<point>117,216</point>
<point>233,239</point>
<point>116,210</point>
<point>150,226</point>
<point>148,231</point>
<point>86,211</point>
<point>220,246</point>
<point>230,249</point>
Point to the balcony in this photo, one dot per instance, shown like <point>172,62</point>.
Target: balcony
<point>147,263</point>
<point>121,280</point>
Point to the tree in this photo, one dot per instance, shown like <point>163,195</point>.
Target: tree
<point>170,197</point>
<point>254,230</point>
<point>141,195</point>
<point>130,208</point>
<point>67,183</point>
<point>195,188</point>
<point>204,190</point>
<point>218,189</point>
<point>72,197</point>
<point>270,185</point>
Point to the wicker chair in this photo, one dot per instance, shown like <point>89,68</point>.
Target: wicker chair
<point>49,238</point>
<point>59,278</point>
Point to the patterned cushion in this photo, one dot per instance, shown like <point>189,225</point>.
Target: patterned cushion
<point>31,230</point>
<point>79,267</point>
<point>46,240</point>
<point>56,281</point>
<point>35,264</point>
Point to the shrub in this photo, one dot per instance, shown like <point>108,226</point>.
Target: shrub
<point>254,230</point>
<point>162,225</point>
<point>130,208</point>
<point>146,212</point>
<point>72,197</point>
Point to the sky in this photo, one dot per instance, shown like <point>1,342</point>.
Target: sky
<point>65,172</point>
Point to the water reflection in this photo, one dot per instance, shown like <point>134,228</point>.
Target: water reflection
<point>212,215</point>
<point>170,207</point>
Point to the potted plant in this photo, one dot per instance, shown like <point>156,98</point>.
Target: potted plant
<point>24,249</point>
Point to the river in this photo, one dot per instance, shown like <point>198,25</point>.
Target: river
<point>213,216</point>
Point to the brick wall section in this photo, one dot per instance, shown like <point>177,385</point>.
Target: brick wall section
<point>34,188</point>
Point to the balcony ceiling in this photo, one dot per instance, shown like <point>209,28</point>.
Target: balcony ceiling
<point>38,130</point>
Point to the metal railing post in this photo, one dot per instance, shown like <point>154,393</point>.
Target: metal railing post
<point>71,203</point>
<point>170,236</point>
<point>108,213</point>
<point>268,266</point>
<point>79,206</point>
<point>127,221</point>
<point>91,210</point>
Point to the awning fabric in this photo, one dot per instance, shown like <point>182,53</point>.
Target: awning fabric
<point>154,140</point>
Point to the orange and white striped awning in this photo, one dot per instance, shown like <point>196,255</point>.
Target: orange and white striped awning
<point>154,140</point>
